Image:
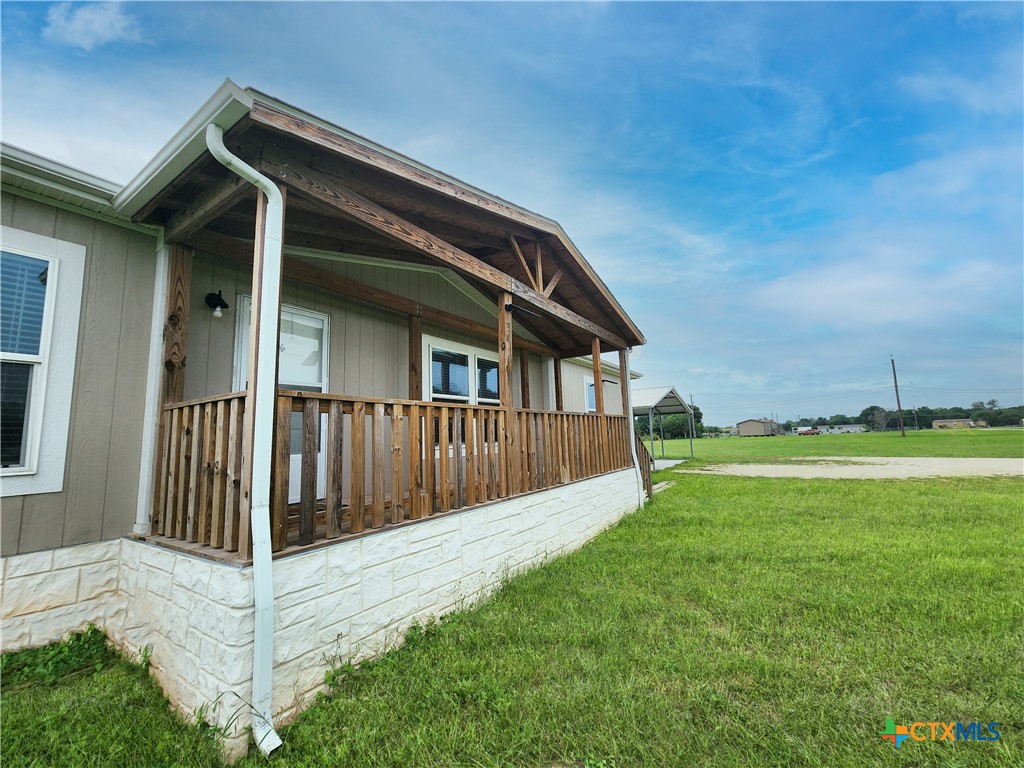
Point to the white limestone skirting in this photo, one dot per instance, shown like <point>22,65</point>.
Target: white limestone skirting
<point>344,602</point>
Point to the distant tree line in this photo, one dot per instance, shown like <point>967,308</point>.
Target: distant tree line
<point>875,417</point>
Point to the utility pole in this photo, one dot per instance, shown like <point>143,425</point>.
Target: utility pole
<point>693,426</point>
<point>896,385</point>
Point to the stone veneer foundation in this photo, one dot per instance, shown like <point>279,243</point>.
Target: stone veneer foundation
<point>343,602</point>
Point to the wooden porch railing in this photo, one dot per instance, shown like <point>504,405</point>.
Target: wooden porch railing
<point>646,465</point>
<point>344,465</point>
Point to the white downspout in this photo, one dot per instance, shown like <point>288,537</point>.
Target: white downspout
<point>263,431</point>
<point>641,493</point>
<point>154,369</point>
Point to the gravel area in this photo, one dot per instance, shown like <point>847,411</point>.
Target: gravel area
<point>871,468</point>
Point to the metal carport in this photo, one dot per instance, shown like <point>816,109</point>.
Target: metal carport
<point>662,401</point>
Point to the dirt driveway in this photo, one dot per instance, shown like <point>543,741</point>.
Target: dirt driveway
<point>870,468</point>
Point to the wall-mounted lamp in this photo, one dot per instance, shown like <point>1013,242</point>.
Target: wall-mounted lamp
<point>215,301</point>
<point>524,310</point>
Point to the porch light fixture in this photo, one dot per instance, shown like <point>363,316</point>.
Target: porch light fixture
<point>215,301</point>
<point>524,310</point>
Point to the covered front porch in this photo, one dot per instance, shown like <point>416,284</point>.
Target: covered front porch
<point>429,343</point>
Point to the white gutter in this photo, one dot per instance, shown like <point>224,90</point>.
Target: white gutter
<point>225,108</point>
<point>263,432</point>
<point>154,370</point>
<point>641,493</point>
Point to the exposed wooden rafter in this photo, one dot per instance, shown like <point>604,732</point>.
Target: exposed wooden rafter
<point>522,260</point>
<point>212,202</point>
<point>352,205</point>
<point>553,282</point>
<point>304,272</point>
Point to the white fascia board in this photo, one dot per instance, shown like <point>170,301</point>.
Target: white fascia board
<point>224,108</point>
<point>22,168</point>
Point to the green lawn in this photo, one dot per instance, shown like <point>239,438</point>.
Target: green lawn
<point>996,443</point>
<point>734,622</point>
<point>77,703</point>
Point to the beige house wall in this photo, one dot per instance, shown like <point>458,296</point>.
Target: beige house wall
<point>575,373</point>
<point>369,346</point>
<point>101,473</point>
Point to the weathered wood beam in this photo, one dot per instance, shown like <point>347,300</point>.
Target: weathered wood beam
<point>266,114</point>
<point>505,343</point>
<point>352,205</point>
<point>304,272</point>
<point>554,281</point>
<point>179,289</point>
<point>538,260</point>
<point>598,381</point>
<point>396,193</point>
<point>211,203</point>
<point>522,260</point>
<point>524,378</point>
<point>415,358</point>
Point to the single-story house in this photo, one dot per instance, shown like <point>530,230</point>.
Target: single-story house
<point>758,428</point>
<point>286,393</point>
<point>952,424</point>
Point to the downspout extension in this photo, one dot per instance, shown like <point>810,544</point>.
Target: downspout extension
<point>641,493</point>
<point>264,734</point>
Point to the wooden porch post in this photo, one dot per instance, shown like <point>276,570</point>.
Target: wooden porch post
<point>524,378</point>
<point>245,501</point>
<point>509,459</point>
<point>179,289</point>
<point>172,389</point>
<point>598,384</point>
<point>415,358</point>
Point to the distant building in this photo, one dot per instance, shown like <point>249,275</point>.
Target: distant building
<point>841,429</point>
<point>952,424</point>
<point>758,428</point>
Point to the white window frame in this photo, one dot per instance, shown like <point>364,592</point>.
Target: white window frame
<point>49,416</point>
<point>473,353</point>
<point>588,382</point>
<point>240,367</point>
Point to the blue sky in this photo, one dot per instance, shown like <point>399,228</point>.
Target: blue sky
<point>781,195</point>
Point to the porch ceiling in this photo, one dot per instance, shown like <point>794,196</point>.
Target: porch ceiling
<point>448,222</point>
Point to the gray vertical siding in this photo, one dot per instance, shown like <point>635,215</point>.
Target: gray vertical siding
<point>101,472</point>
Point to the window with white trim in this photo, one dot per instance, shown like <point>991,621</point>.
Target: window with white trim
<point>41,282</point>
<point>460,373</point>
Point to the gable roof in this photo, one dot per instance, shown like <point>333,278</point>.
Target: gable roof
<point>242,109</point>
<point>664,400</point>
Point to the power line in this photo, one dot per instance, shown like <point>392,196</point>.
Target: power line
<point>884,388</point>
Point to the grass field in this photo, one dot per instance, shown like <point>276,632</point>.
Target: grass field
<point>733,622</point>
<point>995,443</point>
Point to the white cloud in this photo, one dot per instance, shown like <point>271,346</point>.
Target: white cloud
<point>998,92</point>
<point>90,25</point>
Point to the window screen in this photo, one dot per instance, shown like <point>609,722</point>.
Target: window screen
<point>487,380</point>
